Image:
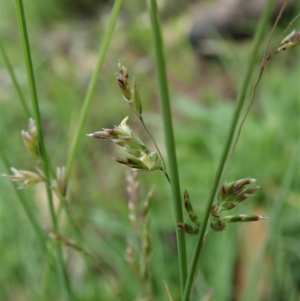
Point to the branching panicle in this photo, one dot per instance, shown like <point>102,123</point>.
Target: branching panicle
<point>231,195</point>
<point>122,135</point>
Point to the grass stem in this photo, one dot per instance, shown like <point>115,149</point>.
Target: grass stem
<point>34,98</point>
<point>63,282</point>
<point>92,84</point>
<point>169,138</point>
<point>226,151</point>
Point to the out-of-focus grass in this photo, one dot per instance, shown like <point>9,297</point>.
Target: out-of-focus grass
<point>64,53</point>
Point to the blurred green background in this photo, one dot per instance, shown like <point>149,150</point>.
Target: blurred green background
<point>65,37</point>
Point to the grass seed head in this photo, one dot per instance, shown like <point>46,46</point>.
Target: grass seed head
<point>28,178</point>
<point>30,140</point>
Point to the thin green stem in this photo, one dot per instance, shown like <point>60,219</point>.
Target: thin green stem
<point>75,228</point>
<point>234,123</point>
<point>90,257</point>
<point>14,80</point>
<point>47,272</point>
<point>63,282</point>
<point>286,30</point>
<point>164,168</point>
<point>35,104</point>
<point>267,57</point>
<point>169,137</point>
<point>92,85</point>
<point>285,3</point>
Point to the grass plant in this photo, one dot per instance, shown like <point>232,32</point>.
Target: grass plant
<point>92,244</point>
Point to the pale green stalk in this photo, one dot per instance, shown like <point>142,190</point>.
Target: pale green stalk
<point>157,148</point>
<point>63,281</point>
<point>89,94</point>
<point>169,138</point>
<point>92,85</point>
<point>81,238</point>
<point>226,151</point>
<point>46,278</point>
<point>35,104</point>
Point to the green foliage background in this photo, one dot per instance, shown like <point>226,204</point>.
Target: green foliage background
<point>64,49</point>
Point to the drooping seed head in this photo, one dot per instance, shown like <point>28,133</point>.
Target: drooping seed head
<point>28,178</point>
